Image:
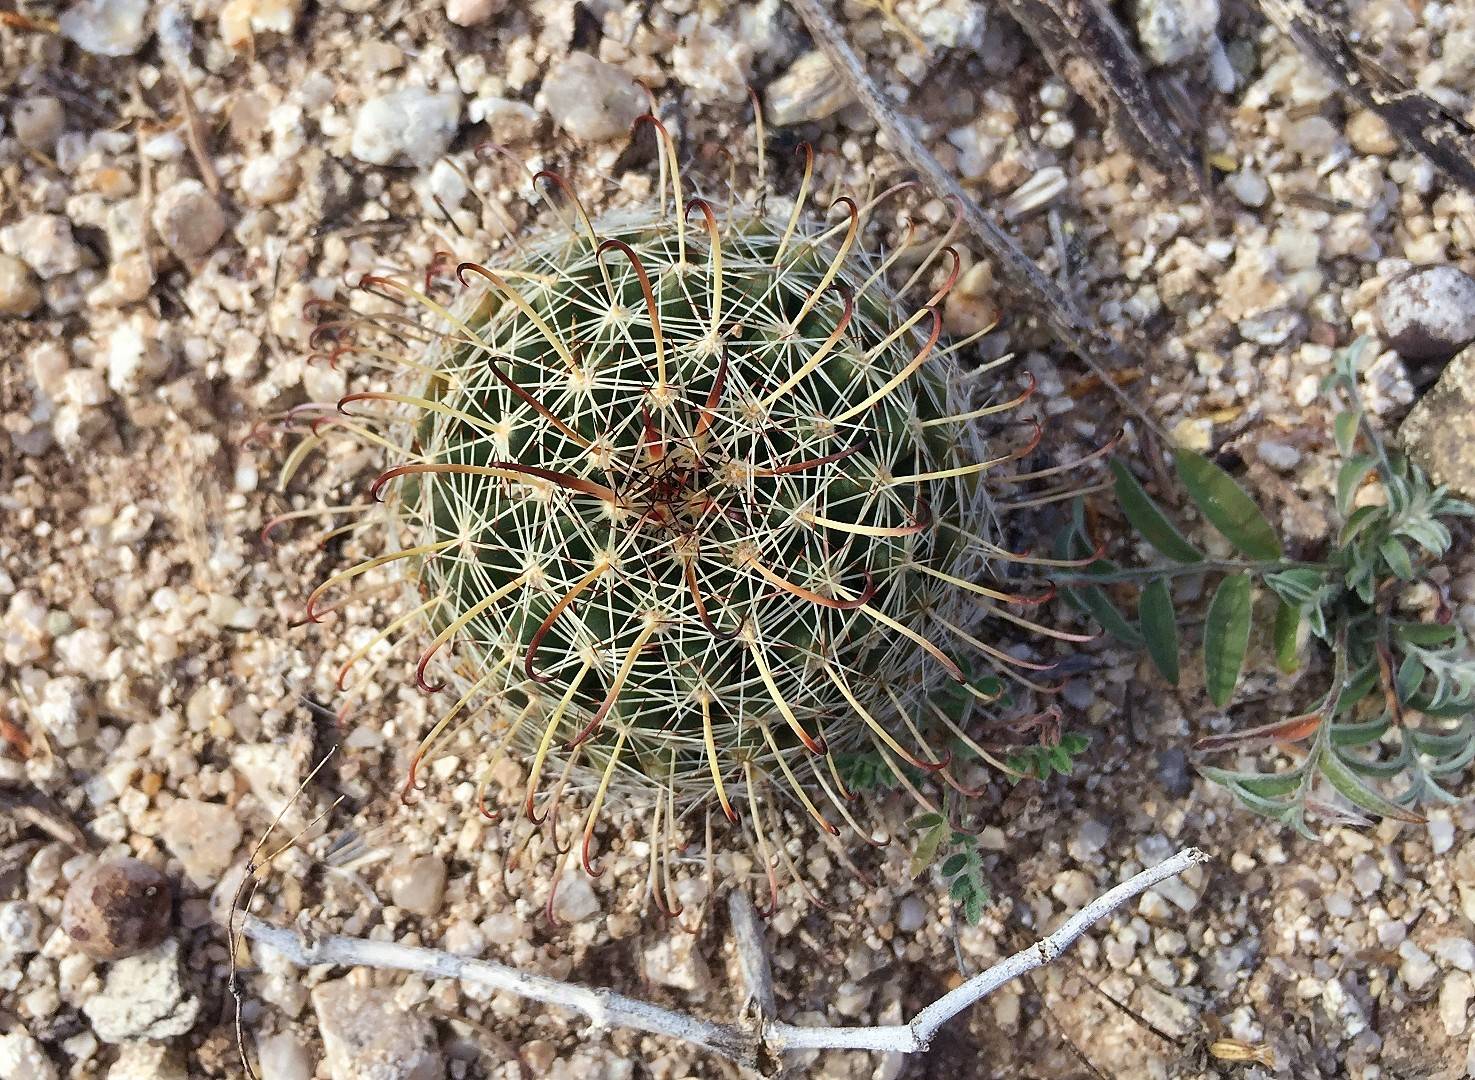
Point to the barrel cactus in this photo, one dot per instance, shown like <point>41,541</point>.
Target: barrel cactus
<point>693,506</point>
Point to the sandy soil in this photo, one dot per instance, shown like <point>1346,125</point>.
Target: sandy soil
<point>179,203</point>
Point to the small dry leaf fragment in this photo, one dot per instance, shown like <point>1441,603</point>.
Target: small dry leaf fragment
<point>1237,1051</point>
<point>1036,193</point>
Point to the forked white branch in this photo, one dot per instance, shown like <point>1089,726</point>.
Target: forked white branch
<point>762,1043</point>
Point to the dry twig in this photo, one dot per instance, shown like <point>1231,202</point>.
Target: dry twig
<point>1089,50</point>
<point>1085,337</point>
<point>761,1044</point>
<point>1418,121</point>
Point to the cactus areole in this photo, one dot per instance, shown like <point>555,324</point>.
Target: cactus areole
<point>693,506</point>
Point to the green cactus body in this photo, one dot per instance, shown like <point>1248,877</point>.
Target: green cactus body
<point>694,506</point>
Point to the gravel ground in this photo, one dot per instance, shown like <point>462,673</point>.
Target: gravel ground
<point>176,181</point>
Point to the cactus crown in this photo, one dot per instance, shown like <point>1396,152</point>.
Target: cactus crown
<point>693,506</point>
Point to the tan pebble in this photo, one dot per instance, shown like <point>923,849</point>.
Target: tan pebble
<point>19,294</point>
<point>970,308</point>
<point>118,909</point>
<point>112,183</point>
<point>1368,134</point>
<point>539,1056</point>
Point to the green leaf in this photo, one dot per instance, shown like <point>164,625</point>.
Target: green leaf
<point>1427,634</point>
<point>1345,430</point>
<point>865,771</point>
<point>1287,634</point>
<point>1265,785</point>
<point>1449,506</point>
<point>1357,687</point>
<point>1071,543</point>
<point>926,849</point>
<point>1410,677</point>
<point>953,863</point>
<point>1373,768</point>
<point>1297,585</point>
<point>1432,536</point>
<point>1226,637</point>
<point>1454,709</point>
<point>1148,518</point>
<point>973,906</point>
<point>1350,477</point>
<point>1396,556</point>
<point>1361,518</point>
<point>1226,506</point>
<point>1454,764</point>
<point>1360,733</point>
<point>1341,777</point>
<point>1098,605</point>
<point>1160,628</point>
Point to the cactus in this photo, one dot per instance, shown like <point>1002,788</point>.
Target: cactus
<point>694,507</point>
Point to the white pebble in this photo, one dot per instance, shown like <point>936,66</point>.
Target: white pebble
<point>1366,875</point>
<point>1088,841</point>
<point>37,121</point>
<point>1441,832</point>
<point>1248,186</point>
<point>575,900</point>
<point>472,12</point>
<point>1369,134</point>
<point>268,180</point>
<point>1454,1002</point>
<point>134,354</point>
<point>411,126</point>
<point>1392,933</point>
<point>809,90</point>
<point>283,1057</point>
<point>418,884</point>
<point>1312,137</point>
<point>1428,313</point>
<point>22,1056</point>
<point>1456,952</point>
<point>592,100</point>
<point>1171,31</point>
<point>1059,135</point>
<point>107,27</point>
<point>1417,968</point>
<point>20,927</point>
<point>503,928</point>
<point>45,243</point>
<point>911,914</point>
<point>1278,455</point>
<point>241,20</point>
<point>1073,888</point>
